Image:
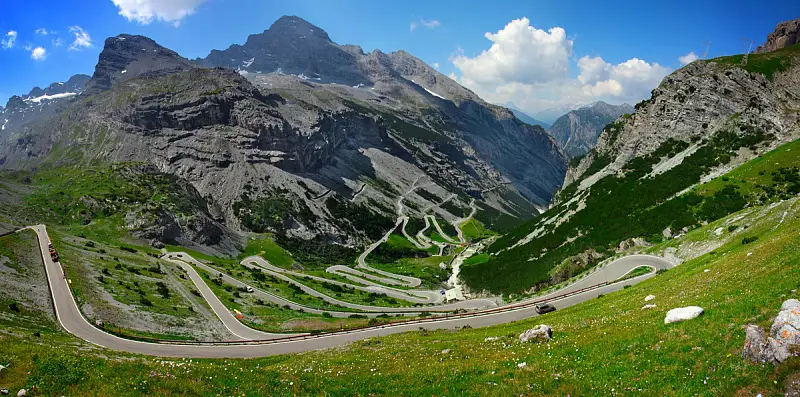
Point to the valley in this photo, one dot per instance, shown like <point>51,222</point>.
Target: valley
<point>296,216</point>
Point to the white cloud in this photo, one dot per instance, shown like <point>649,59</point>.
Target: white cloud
<point>146,11</point>
<point>82,39</point>
<point>57,42</point>
<point>427,23</point>
<point>531,67</point>
<point>42,32</point>
<point>435,65</point>
<point>9,39</point>
<point>688,58</point>
<point>38,54</point>
<point>519,53</point>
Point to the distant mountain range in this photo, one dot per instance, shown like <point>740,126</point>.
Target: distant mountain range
<point>524,117</point>
<point>258,134</point>
<point>576,132</point>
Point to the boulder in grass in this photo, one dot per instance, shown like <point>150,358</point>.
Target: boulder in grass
<point>540,332</point>
<point>760,348</point>
<point>683,314</point>
<point>786,326</point>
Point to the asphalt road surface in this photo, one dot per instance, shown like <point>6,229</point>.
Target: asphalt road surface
<point>70,317</point>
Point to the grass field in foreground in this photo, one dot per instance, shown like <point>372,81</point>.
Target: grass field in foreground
<point>606,346</point>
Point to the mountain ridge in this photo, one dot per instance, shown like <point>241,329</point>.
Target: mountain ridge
<point>577,131</point>
<point>225,132</point>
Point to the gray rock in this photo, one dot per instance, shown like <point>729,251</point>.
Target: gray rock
<point>538,333</point>
<point>22,392</point>
<point>787,33</point>
<point>756,347</point>
<point>445,351</point>
<point>157,244</point>
<point>648,298</point>
<point>222,133</point>
<point>683,314</point>
<point>577,131</point>
<point>787,324</point>
<point>760,348</point>
<point>648,307</point>
<point>3,392</point>
<point>688,105</point>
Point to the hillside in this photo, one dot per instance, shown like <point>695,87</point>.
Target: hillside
<point>489,361</point>
<point>685,135</point>
<point>525,118</point>
<point>269,149</point>
<point>576,132</point>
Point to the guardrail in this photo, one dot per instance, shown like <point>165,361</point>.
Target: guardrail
<point>425,320</point>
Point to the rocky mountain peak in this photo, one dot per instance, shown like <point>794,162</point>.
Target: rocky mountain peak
<point>127,56</point>
<point>15,102</point>
<point>289,25</point>
<point>292,46</point>
<point>577,131</point>
<point>787,33</point>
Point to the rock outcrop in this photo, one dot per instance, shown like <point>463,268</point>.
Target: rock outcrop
<point>539,333</point>
<point>683,314</point>
<point>125,57</point>
<point>38,105</point>
<point>693,103</point>
<point>786,34</point>
<point>577,131</point>
<point>777,346</point>
<point>249,142</point>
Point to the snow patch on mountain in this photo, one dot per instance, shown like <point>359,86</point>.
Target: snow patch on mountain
<point>39,99</point>
<point>429,91</point>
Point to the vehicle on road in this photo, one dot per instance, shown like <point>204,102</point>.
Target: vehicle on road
<point>250,289</point>
<point>542,308</point>
<point>53,254</point>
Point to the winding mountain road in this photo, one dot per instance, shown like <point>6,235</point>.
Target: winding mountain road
<point>70,317</point>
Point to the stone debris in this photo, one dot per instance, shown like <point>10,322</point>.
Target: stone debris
<point>683,314</point>
<point>540,332</point>
<point>775,347</point>
<point>648,298</point>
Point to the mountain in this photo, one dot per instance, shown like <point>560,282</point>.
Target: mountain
<point>550,115</point>
<point>577,131</point>
<point>126,57</point>
<point>293,134</point>
<point>524,117</point>
<point>786,34</point>
<point>640,183</point>
<point>39,104</point>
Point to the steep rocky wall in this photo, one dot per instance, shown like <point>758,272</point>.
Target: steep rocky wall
<point>696,100</point>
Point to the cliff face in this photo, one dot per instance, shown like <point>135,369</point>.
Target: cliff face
<point>786,34</point>
<point>697,100</point>
<point>577,131</point>
<point>267,151</point>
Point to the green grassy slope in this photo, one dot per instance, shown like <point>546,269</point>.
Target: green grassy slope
<point>619,207</point>
<point>607,346</point>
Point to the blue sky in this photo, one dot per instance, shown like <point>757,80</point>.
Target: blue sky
<point>450,34</point>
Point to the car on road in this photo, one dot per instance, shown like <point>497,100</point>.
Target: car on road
<point>250,289</point>
<point>542,308</point>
